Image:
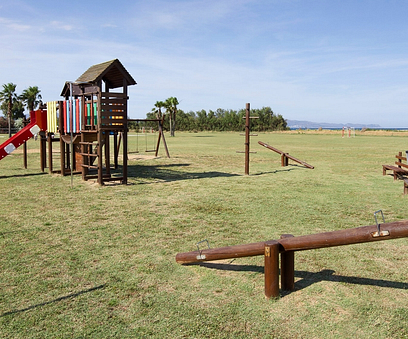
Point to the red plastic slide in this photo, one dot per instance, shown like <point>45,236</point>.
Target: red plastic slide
<point>38,122</point>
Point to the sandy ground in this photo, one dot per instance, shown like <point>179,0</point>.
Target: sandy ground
<point>138,156</point>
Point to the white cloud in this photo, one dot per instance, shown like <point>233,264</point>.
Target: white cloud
<point>109,26</point>
<point>19,27</point>
<point>175,15</point>
<point>14,25</point>
<point>60,25</point>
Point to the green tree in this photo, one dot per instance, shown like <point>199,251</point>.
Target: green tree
<point>279,123</point>
<point>7,97</point>
<point>171,107</point>
<point>221,119</point>
<point>3,122</point>
<point>212,121</point>
<point>186,121</point>
<point>17,110</point>
<point>202,123</point>
<point>158,106</point>
<point>31,97</point>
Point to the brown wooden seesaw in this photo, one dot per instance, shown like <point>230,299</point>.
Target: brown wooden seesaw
<point>287,245</point>
<point>285,156</point>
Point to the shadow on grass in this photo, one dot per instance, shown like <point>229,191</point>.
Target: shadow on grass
<point>230,267</point>
<point>290,167</point>
<point>21,175</point>
<point>167,173</point>
<point>164,173</point>
<point>69,296</point>
<point>310,278</point>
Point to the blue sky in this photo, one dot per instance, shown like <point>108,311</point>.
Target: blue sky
<point>323,61</point>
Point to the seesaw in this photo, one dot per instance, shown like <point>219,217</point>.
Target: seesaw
<point>287,245</point>
<point>285,156</point>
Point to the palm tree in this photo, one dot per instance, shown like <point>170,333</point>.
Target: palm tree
<point>17,110</point>
<point>171,106</point>
<point>8,96</point>
<point>159,105</point>
<point>31,97</point>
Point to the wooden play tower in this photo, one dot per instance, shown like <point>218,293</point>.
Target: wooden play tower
<point>90,114</point>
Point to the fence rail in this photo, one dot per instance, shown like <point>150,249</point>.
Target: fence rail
<point>5,130</point>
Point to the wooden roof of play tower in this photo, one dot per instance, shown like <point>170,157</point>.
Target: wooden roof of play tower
<point>111,72</point>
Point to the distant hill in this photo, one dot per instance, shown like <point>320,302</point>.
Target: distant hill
<point>293,124</point>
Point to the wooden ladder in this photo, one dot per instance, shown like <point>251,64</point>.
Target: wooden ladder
<point>89,153</point>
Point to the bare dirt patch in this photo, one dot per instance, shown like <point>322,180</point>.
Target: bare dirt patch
<point>137,156</point>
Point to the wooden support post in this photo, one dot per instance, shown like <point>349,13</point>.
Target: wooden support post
<point>100,158</point>
<point>158,139</point>
<point>247,135</point>
<point>49,140</point>
<point>284,160</point>
<point>164,140</point>
<point>271,269</point>
<point>25,122</point>
<point>100,136</point>
<point>125,158</point>
<point>125,140</point>
<point>247,122</point>
<point>107,152</point>
<point>85,149</point>
<point>161,134</point>
<point>43,151</point>
<point>61,132</point>
<point>115,149</point>
<point>62,156</point>
<point>119,142</point>
<point>287,268</point>
<point>68,158</point>
<point>25,154</point>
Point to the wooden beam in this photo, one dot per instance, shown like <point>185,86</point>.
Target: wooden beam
<point>398,229</point>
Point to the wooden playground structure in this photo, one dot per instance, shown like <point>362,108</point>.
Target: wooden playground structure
<point>287,245</point>
<point>90,115</point>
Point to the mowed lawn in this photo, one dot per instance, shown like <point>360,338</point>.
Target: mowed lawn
<point>99,262</point>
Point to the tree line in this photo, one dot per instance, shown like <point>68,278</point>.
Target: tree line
<point>13,105</point>
<point>218,120</point>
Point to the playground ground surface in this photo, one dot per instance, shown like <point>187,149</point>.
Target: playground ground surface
<point>99,262</point>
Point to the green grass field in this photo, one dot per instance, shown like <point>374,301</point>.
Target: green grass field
<point>99,262</point>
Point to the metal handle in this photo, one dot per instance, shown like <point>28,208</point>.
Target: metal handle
<point>379,233</point>
<point>202,257</point>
